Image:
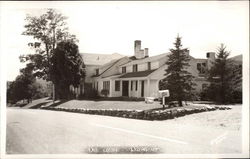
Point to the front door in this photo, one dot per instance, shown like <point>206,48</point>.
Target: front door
<point>125,88</point>
<point>142,88</point>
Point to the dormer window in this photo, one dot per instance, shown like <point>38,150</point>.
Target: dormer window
<point>201,67</point>
<point>123,69</point>
<point>97,71</point>
<point>135,68</point>
<point>149,65</point>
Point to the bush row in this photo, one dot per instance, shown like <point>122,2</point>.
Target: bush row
<point>140,114</point>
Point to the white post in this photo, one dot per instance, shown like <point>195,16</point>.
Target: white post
<point>121,89</point>
<point>137,91</point>
<point>129,87</point>
<point>163,100</point>
<point>110,89</point>
<point>148,87</point>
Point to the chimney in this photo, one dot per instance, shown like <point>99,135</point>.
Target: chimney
<point>137,47</point>
<point>211,55</point>
<point>187,52</point>
<point>210,59</point>
<point>146,52</point>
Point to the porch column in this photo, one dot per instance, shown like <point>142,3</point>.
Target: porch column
<point>129,85</point>
<point>148,87</point>
<point>121,89</point>
<point>137,91</point>
<point>110,88</point>
<point>157,87</point>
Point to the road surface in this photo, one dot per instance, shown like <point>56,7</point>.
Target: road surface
<point>35,131</point>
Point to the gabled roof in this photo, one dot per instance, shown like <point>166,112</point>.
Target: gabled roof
<point>148,59</point>
<point>99,59</point>
<point>109,65</point>
<point>237,58</point>
<point>137,74</point>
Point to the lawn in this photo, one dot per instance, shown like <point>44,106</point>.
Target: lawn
<point>223,119</point>
<point>228,119</point>
<point>122,105</point>
<point>105,104</point>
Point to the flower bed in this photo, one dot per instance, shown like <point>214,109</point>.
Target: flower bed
<point>140,114</point>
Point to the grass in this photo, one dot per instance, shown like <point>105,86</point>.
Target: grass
<point>131,105</point>
<point>102,104</point>
<point>223,119</point>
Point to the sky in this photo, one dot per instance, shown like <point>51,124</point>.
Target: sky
<point>112,27</point>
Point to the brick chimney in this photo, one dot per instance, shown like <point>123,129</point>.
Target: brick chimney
<point>139,53</point>
<point>146,52</point>
<point>137,48</point>
<point>210,59</point>
<point>187,52</point>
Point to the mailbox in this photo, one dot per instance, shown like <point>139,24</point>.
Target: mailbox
<point>164,93</point>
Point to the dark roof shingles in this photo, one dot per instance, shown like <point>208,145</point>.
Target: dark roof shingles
<point>137,74</point>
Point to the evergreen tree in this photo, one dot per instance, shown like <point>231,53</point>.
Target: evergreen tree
<point>225,79</point>
<point>178,80</point>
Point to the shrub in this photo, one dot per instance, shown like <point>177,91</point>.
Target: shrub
<point>90,94</point>
<point>105,92</point>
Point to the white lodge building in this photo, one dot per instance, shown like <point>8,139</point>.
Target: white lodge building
<point>139,75</point>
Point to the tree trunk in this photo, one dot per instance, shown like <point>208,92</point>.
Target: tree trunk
<point>180,102</point>
<point>54,92</point>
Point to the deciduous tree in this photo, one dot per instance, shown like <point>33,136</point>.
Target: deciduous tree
<point>47,30</point>
<point>22,88</point>
<point>67,67</point>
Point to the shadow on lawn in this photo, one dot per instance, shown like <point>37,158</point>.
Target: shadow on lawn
<point>37,106</point>
<point>52,105</point>
<point>127,99</point>
<point>57,103</point>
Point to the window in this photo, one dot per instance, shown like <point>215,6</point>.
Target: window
<point>149,65</point>
<point>106,85</point>
<point>117,85</point>
<point>136,85</point>
<point>97,71</point>
<point>201,67</point>
<point>131,85</point>
<point>204,86</point>
<point>208,55</point>
<point>123,69</point>
<point>135,68</point>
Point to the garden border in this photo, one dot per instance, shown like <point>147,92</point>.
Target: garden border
<point>152,114</point>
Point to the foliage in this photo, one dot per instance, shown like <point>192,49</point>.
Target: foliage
<point>105,92</point>
<point>24,87</point>
<point>47,30</point>
<point>67,67</point>
<point>225,78</point>
<point>235,82</point>
<point>178,80</point>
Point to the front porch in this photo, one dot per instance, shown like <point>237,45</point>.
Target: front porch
<point>139,88</point>
<point>129,87</point>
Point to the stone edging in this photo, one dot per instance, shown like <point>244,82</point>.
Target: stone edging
<point>141,114</point>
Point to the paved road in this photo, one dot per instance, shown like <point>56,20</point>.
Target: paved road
<point>50,132</point>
